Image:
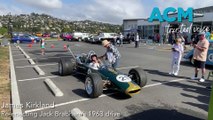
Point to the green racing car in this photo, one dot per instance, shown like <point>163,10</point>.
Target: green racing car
<point>103,78</point>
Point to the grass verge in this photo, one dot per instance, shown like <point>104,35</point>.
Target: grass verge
<point>4,83</point>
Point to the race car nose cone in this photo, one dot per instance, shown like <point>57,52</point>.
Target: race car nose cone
<point>132,89</point>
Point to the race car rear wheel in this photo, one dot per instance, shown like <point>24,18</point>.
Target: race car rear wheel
<point>94,85</point>
<point>66,66</point>
<point>138,75</point>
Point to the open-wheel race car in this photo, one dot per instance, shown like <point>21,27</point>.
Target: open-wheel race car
<point>104,77</point>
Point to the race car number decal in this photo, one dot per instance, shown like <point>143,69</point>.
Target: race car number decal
<point>123,78</point>
<point>210,57</point>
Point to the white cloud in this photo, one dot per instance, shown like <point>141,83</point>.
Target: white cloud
<point>43,4</point>
<point>184,3</point>
<point>113,11</point>
<point>10,9</point>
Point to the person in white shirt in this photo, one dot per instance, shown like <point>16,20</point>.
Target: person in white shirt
<point>121,39</point>
<point>137,40</point>
<point>177,51</point>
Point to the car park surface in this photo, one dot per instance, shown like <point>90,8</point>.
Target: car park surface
<point>164,97</point>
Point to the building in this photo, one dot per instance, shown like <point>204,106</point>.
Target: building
<point>203,20</point>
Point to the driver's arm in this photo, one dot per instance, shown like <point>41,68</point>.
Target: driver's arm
<point>101,57</point>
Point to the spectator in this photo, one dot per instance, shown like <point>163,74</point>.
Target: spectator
<point>42,45</point>
<point>137,41</point>
<point>158,37</point>
<point>121,39</point>
<point>112,54</point>
<point>177,51</point>
<point>200,55</point>
<point>164,38</point>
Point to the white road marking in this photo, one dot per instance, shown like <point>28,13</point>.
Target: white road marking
<point>27,66</point>
<point>65,103</point>
<point>17,55</point>
<point>39,58</point>
<point>86,99</point>
<point>37,78</point>
<point>128,67</point>
<point>31,61</point>
<point>156,84</point>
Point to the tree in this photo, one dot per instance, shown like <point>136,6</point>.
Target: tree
<point>65,30</point>
<point>3,30</point>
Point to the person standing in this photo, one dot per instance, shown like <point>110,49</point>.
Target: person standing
<point>42,45</point>
<point>200,55</point>
<point>121,39</point>
<point>136,40</point>
<point>177,51</point>
<point>112,54</point>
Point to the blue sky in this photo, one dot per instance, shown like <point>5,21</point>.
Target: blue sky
<point>112,11</point>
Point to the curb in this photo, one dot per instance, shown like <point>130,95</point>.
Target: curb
<point>16,111</point>
<point>27,56</point>
<point>77,114</point>
<point>38,70</point>
<point>31,61</point>
<point>57,92</point>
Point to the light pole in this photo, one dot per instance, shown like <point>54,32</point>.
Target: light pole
<point>10,26</point>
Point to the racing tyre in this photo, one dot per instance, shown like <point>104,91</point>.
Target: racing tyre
<point>93,85</point>
<point>66,66</point>
<point>138,75</point>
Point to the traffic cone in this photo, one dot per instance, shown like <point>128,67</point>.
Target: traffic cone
<point>58,38</point>
<point>52,46</point>
<point>65,47</point>
<point>32,41</point>
<point>30,45</point>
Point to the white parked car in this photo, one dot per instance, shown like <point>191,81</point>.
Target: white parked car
<point>105,36</point>
<point>77,36</point>
<point>85,36</point>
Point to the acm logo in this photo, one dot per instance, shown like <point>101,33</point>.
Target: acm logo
<point>156,14</point>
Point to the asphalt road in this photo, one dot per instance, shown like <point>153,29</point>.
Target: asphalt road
<point>164,98</point>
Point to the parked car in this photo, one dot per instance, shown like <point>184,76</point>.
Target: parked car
<point>66,36</point>
<point>39,34</point>
<point>54,35</point>
<point>77,36</point>
<point>105,36</point>
<point>209,61</point>
<point>92,39</point>
<point>25,38</point>
<point>85,36</point>
<point>46,35</point>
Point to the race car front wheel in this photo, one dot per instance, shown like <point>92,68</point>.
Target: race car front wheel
<point>94,85</point>
<point>138,75</point>
<point>66,66</point>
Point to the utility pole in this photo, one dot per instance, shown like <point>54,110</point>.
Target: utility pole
<point>10,26</point>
